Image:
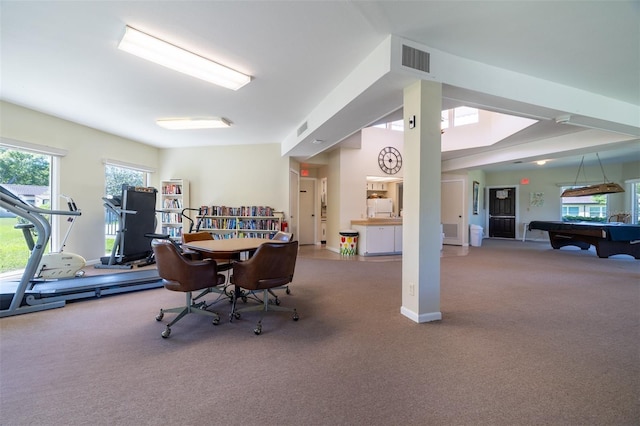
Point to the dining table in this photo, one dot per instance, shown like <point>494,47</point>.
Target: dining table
<point>226,246</point>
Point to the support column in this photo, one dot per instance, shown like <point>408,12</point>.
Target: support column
<point>421,203</point>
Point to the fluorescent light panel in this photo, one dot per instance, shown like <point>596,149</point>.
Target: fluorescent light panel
<point>155,50</point>
<point>193,123</point>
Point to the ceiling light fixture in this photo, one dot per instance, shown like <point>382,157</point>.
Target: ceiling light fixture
<point>193,123</point>
<point>541,162</point>
<point>155,50</point>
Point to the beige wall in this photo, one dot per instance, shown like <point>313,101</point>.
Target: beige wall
<point>81,170</point>
<point>231,175</point>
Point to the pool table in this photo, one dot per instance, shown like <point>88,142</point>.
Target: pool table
<point>608,238</point>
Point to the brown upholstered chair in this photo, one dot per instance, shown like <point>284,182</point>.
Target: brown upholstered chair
<point>281,236</point>
<point>272,265</point>
<point>182,274</point>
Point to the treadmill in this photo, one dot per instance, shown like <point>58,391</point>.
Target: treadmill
<point>32,295</point>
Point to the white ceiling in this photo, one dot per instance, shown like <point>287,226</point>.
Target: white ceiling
<point>60,57</point>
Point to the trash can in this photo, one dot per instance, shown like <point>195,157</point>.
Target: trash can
<point>476,235</point>
<point>348,242</point>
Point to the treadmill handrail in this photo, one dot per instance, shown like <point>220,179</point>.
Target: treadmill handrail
<point>17,202</point>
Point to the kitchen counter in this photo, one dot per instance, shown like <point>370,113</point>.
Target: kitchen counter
<point>378,236</point>
<point>377,221</point>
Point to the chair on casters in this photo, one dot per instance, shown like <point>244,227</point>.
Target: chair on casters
<point>184,275</point>
<point>224,263</point>
<point>281,236</point>
<point>271,266</point>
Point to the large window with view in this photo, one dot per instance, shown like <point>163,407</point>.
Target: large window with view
<point>586,209</point>
<point>27,175</point>
<point>115,177</point>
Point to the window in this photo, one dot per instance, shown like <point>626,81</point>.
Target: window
<point>115,177</point>
<point>635,201</point>
<point>392,125</point>
<point>465,115</point>
<point>27,175</point>
<point>593,208</point>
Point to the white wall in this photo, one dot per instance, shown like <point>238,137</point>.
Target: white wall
<point>81,170</point>
<point>548,181</point>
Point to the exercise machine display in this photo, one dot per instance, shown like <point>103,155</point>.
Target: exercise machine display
<point>136,213</point>
<point>31,294</point>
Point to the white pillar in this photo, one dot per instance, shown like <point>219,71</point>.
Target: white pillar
<point>421,203</point>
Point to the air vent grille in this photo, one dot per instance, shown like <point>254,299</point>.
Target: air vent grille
<point>414,58</point>
<point>302,128</point>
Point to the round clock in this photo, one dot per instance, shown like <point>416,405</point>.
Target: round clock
<point>390,160</point>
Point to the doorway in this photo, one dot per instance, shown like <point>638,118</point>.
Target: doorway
<point>307,223</point>
<point>451,211</point>
<point>502,212</point>
<point>294,179</point>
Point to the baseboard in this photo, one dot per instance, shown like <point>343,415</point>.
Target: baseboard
<point>428,317</point>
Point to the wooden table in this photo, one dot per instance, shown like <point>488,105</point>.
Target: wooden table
<point>227,246</point>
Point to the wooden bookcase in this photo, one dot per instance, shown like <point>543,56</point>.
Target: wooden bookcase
<point>239,222</point>
<point>174,196</point>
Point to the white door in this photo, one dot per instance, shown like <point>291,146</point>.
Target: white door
<point>293,202</point>
<point>307,217</point>
<point>452,211</point>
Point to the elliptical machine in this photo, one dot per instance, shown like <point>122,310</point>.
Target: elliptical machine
<point>56,265</point>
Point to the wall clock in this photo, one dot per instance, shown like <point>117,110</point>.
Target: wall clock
<point>390,160</point>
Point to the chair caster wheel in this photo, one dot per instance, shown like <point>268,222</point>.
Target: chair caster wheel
<point>277,302</point>
<point>258,329</point>
<point>160,316</point>
<point>216,321</point>
<point>288,291</point>
<point>295,316</point>
<point>166,333</point>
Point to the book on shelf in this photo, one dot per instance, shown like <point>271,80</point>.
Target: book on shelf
<point>172,203</point>
<point>244,211</point>
<point>171,189</point>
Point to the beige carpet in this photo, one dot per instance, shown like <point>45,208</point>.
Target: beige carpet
<point>529,336</point>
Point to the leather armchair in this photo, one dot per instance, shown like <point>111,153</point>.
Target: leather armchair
<point>272,265</point>
<point>184,275</point>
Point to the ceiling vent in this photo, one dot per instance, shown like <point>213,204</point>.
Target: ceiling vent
<point>414,58</point>
<point>302,128</point>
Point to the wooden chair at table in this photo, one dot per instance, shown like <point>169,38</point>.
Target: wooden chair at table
<point>620,218</point>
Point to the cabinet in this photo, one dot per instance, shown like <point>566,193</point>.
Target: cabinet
<point>240,222</point>
<point>379,239</point>
<point>376,186</point>
<point>174,196</point>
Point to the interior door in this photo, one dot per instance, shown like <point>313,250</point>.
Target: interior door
<point>451,211</point>
<point>294,187</point>
<point>502,212</point>
<point>307,217</point>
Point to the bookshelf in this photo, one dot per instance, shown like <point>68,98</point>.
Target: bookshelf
<point>174,197</point>
<point>239,222</point>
